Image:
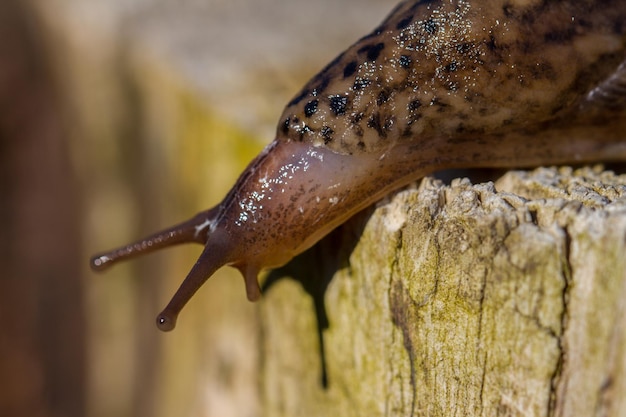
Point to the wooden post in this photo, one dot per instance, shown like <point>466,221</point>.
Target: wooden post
<point>464,300</point>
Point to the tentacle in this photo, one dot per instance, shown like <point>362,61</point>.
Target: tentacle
<point>251,279</point>
<point>193,230</point>
<point>216,254</point>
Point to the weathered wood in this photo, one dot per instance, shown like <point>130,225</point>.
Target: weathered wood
<point>460,300</point>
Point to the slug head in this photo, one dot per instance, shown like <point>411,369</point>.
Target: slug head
<point>284,202</point>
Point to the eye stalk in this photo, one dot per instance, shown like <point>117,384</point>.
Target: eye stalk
<point>216,253</point>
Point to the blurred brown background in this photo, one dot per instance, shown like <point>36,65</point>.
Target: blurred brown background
<point>43,339</point>
<point>118,118</point>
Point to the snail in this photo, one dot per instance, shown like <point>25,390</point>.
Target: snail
<point>438,84</point>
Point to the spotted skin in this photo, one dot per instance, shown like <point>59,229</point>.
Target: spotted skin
<point>439,84</point>
<point>446,68</point>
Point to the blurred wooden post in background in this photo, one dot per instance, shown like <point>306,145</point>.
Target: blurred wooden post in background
<point>447,299</point>
<point>42,336</point>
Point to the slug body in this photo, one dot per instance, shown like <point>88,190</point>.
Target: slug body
<point>439,84</point>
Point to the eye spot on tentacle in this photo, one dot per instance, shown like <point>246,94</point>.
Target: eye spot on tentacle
<point>338,104</point>
<point>311,108</point>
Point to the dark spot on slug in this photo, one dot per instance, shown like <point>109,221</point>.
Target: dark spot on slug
<point>357,117</point>
<point>413,117</point>
<point>295,195</point>
<point>364,48</point>
<point>285,126</point>
<point>491,43</point>
<point>360,83</point>
<point>305,129</point>
<point>419,3</point>
<point>314,188</point>
<point>323,81</point>
<point>436,102</point>
<point>349,69</point>
<point>297,99</point>
<point>508,10</point>
<point>416,5</point>
<point>373,51</point>
<point>327,134</point>
<point>414,105</point>
<point>358,130</point>
<point>404,61</point>
<point>452,86</point>
<point>374,34</point>
<point>464,47</point>
<point>338,104</point>
<point>332,63</point>
<point>374,123</point>
<point>383,96</point>
<point>431,26</point>
<point>451,67</point>
<point>311,108</point>
<point>404,22</point>
<point>389,122</point>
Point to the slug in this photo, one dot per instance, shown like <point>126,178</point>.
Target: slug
<point>438,84</point>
